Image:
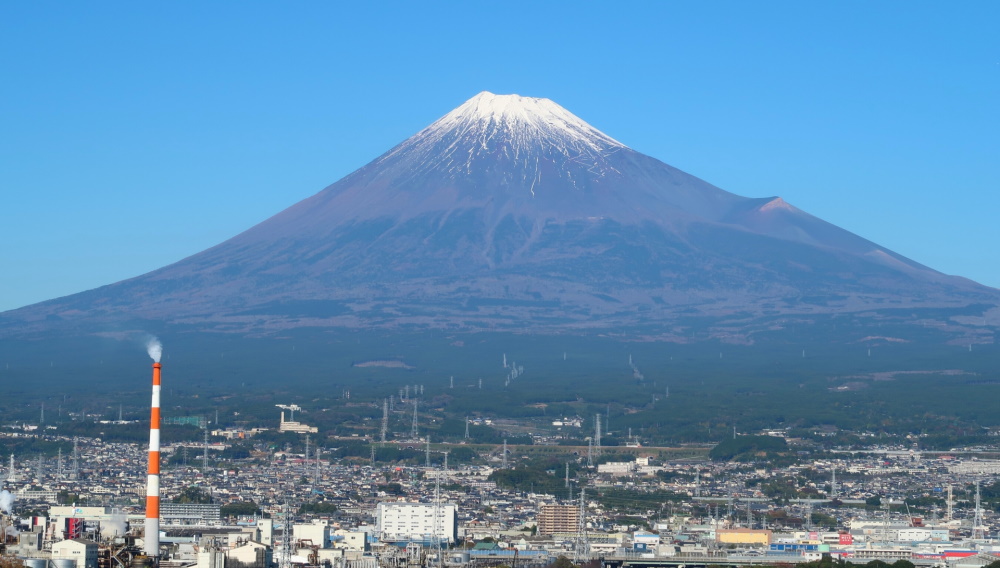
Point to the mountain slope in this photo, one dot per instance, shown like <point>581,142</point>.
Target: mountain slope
<point>510,212</point>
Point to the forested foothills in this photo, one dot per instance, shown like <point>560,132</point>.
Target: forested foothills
<point>665,394</point>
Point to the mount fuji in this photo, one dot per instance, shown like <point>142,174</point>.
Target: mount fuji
<point>510,213</point>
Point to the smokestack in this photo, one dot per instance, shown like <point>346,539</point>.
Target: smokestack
<point>152,538</point>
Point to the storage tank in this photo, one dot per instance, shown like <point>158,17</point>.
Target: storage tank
<point>63,563</point>
<point>35,563</point>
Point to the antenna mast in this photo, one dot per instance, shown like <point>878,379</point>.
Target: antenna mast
<point>977,523</point>
<point>581,551</point>
<point>285,560</point>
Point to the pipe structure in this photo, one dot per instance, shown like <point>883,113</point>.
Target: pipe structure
<point>152,537</point>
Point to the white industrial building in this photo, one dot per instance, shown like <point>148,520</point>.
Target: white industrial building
<point>82,552</point>
<point>417,521</point>
<point>617,468</point>
<point>317,533</point>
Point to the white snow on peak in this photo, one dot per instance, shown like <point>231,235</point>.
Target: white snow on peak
<point>521,130</point>
<point>538,116</point>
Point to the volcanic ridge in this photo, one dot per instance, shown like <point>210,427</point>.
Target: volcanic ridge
<point>511,213</point>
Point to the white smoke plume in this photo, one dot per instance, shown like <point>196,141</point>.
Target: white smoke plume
<point>117,526</point>
<point>6,501</point>
<point>11,531</point>
<point>155,349</point>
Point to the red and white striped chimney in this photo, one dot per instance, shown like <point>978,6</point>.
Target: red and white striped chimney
<point>152,538</point>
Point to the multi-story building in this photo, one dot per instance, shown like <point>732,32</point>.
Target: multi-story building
<point>554,519</point>
<point>200,514</point>
<point>417,521</point>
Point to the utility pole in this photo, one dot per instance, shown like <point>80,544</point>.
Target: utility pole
<point>305,462</point>
<point>413,432</point>
<point>977,523</point>
<point>75,474</point>
<point>204,454</point>
<point>385,419</point>
<point>437,516</point>
<point>319,452</point>
<point>597,434</point>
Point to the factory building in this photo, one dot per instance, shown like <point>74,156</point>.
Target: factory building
<point>554,519</point>
<point>318,533</point>
<point>82,552</point>
<point>289,426</point>
<point>743,536</point>
<point>618,468</point>
<point>416,521</point>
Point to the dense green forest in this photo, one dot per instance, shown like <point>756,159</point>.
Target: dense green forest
<point>829,374</point>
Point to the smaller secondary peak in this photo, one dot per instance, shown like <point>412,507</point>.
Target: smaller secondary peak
<point>776,203</point>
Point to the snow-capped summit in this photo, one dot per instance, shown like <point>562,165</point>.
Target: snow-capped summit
<point>525,133</point>
<point>524,120</point>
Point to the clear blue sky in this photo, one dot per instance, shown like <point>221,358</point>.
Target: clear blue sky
<point>137,133</point>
